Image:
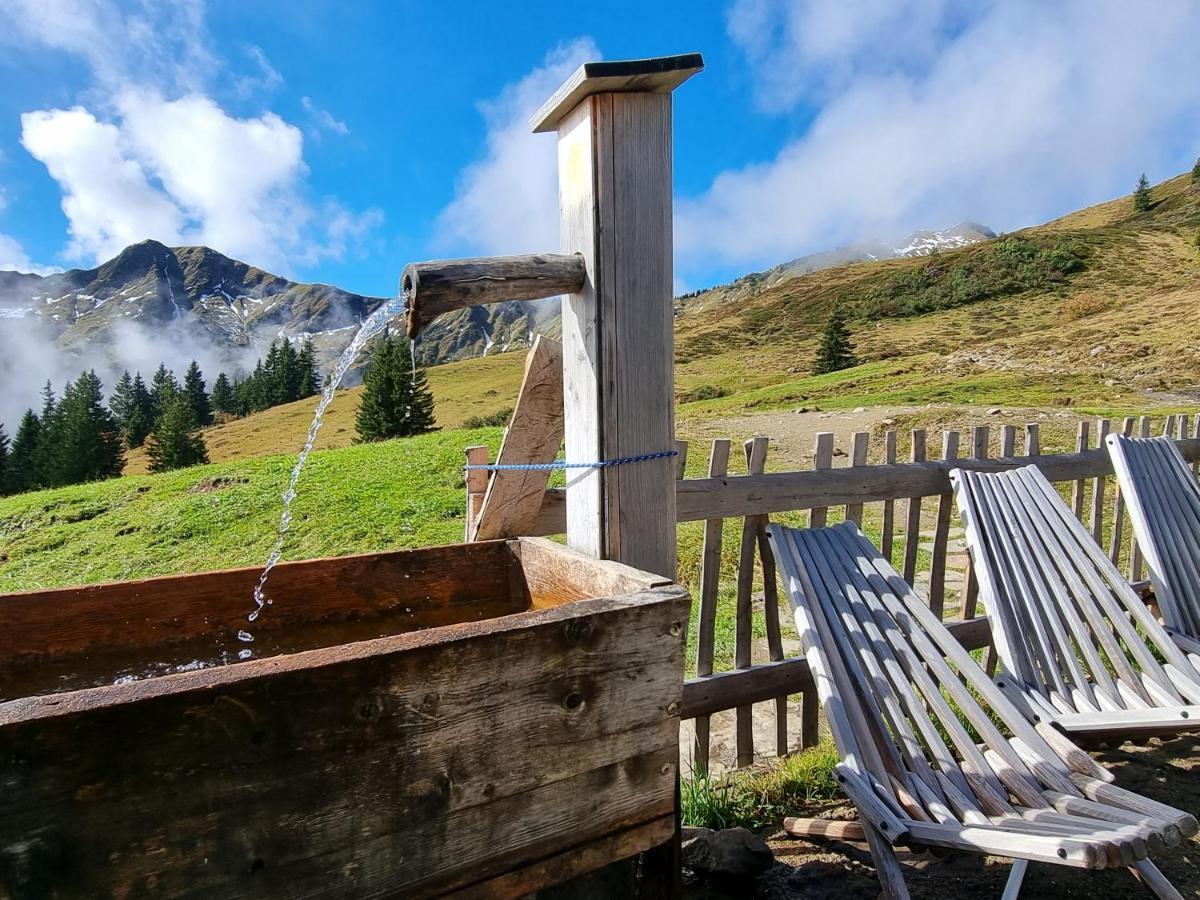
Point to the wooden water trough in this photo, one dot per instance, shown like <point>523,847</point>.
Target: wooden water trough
<point>488,718</point>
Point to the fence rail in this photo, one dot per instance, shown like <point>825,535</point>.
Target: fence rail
<point>915,519</point>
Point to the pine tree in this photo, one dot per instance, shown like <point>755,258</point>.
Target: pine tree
<point>1196,171</point>
<point>310,378</point>
<point>3,461</point>
<point>91,446</point>
<point>287,386</point>
<point>835,352</point>
<point>197,396</point>
<point>1141,194</point>
<point>47,457</point>
<point>121,403</point>
<point>141,415</point>
<point>163,388</point>
<point>394,402</point>
<point>22,457</point>
<point>223,399</point>
<point>176,441</point>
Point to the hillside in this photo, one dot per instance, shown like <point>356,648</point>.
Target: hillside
<point>1098,295</point>
<point>461,390</point>
<point>1084,312</point>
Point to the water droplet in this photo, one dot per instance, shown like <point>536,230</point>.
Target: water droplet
<point>245,636</point>
<point>245,654</point>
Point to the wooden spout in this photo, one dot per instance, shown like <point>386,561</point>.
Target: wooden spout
<point>440,286</point>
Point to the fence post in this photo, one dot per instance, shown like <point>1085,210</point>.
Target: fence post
<point>477,484</point>
<point>941,534</point>
<point>710,583</point>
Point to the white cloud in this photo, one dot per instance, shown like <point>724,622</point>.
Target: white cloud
<point>323,118</point>
<point>143,41</point>
<point>151,154</point>
<point>507,201</point>
<point>14,259</point>
<point>1009,113</point>
<point>107,197</point>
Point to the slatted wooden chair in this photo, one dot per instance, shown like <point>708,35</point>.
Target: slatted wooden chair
<point>933,753</point>
<point>1163,499</point>
<point>1078,646</point>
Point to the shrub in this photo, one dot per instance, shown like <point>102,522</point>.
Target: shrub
<point>1081,306</point>
<point>500,417</point>
<point>703,392</point>
<point>999,268</point>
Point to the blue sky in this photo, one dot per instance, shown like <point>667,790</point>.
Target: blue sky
<point>338,141</point>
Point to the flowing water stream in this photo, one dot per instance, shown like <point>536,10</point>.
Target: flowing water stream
<point>371,327</point>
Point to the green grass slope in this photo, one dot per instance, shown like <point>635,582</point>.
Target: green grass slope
<point>396,494</point>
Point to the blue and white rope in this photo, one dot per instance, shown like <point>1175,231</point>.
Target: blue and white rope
<point>563,464</point>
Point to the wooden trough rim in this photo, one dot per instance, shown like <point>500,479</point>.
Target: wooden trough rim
<point>642,590</point>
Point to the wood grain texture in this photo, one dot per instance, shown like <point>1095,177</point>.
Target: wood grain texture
<point>440,286</point>
<point>660,74</point>
<point>941,533</point>
<point>365,770</point>
<point>615,197</point>
<point>411,588</point>
<point>710,583</point>
<point>535,433</point>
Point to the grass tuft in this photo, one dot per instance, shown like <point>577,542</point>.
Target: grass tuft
<point>759,797</point>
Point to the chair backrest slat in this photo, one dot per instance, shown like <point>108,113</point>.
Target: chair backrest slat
<point>1040,569</point>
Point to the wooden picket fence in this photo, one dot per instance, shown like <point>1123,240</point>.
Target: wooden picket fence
<point>895,500</point>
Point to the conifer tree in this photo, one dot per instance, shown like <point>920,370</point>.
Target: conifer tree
<point>121,403</point>
<point>1196,171</point>
<point>835,351</point>
<point>394,402</point>
<point>163,387</point>
<point>3,461</point>
<point>48,450</point>
<point>141,415</point>
<point>1141,194</point>
<point>197,396</point>
<point>223,399</point>
<point>90,447</point>
<point>22,456</point>
<point>175,441</point>
<point>310,378</point>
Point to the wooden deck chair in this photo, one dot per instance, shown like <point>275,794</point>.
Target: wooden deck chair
<point>933,753</point>
<point>1079,647</point>
<point>1163,499</point>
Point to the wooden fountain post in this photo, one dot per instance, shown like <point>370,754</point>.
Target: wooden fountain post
<point>614,171</point>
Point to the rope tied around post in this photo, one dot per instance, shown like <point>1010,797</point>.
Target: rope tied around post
<point>563,464</point>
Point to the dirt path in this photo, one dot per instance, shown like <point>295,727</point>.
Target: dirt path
<point>1166,771</point>
<point>791,433</point>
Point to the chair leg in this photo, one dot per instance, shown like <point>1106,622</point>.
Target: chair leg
<point>1152,877</point>
<point>887,867</point>
<point>1017,875</point>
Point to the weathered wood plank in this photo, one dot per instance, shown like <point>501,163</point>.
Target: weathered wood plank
<point>535,432</point>
<point>440,286</point>
<point>860,443</point>
<point>615,180</point>
<point>1117,533</point>
<point>1098,486</point>
<point>657,75</point>
<point>710,583</point>
<point>476,481</point>
<point>970,588</point>
<point>756,457</point>
<point>371,770</point>
<point>941,534</point>
<point>912,526</point>
<point>410,588</point>
<point>888,525</point>
<point>1077,489</point>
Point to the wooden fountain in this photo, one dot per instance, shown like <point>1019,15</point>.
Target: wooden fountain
<point>482,720</point>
